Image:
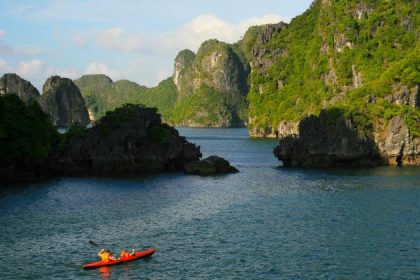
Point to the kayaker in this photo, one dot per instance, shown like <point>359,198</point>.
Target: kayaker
<point>124,254</point>
<point>106,255</point>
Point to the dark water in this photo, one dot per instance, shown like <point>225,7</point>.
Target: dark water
<point>263,223</point>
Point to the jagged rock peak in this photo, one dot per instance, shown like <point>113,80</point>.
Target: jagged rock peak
<point>55,82</point>
<point>221,67</point>
<point>268,31</point>
<point>63,101</point>
<point>11,83</point>
<point>184,60</point>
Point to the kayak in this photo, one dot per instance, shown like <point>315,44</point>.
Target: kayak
<point>136,256</point>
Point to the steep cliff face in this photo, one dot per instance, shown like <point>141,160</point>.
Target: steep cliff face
<point>396,144</point>
<point>62,100</point>
<point>183,71</point>
<point>329,139</point>
<point>212,86</point>
<point>13,84</point>
<point>359,56</point>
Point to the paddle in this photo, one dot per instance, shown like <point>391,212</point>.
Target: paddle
<point>93,243</point>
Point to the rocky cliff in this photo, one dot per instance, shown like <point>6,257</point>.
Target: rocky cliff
<point>211,86</point>
<point>329,139</point>
<point>358,57</point>
<point>207,89</point>
<point>62,100</point>
<point>128,141</point>
<point>13,84</point>
<point>396,144</point>
<point>332,139</point>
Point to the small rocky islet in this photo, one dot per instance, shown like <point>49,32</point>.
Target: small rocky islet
<point>129,141</point>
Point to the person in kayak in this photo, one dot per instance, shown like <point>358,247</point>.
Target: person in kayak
<point>106,255</point>
<point>124,254</point>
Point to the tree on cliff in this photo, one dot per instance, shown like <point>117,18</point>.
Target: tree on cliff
<point>26,132</point>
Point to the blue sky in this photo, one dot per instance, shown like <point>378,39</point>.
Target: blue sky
<point>126,39</point>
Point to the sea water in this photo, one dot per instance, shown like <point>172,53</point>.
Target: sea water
<point>266,222</point>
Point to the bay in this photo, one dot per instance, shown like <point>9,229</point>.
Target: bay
<point>266,222</point>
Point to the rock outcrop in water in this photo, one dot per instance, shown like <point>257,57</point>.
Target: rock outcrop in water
<point>327,140</point>
<point>331,139</point>
<point>210,166</point>
<point>396,144</point>
<point>62,100</point>
<point>132,140</point>
<point>13,84</point>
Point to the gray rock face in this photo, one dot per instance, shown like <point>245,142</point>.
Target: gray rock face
<point>328,140</point>
<point>334,140</point>
<point>283,130</point>
<point>262,56</point>
<point>62,100</point>
<point>402,95</point>
<point>221,68</point>
<point>210,166</point>
<point>13,84</point>
<point>396,145</point>
<point>128,141</point>
<point>217,75</point>
<point>184,62</point>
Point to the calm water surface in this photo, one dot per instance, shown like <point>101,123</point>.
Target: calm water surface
<point>266,222</point>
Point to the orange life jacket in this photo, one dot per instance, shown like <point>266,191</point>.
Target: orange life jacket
<point>105,256</point>
<point>124,254</point>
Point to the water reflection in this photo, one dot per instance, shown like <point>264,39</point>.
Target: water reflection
<point>105,272</point>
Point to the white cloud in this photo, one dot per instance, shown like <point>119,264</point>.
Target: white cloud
<point>37,71</point>
<point>189,35</point>
<point>205,27</point>
<point>79,40</point>
<point>31,68</point>
<point>151,59</point>
<point>112,39</point>
<point>151,56</point>
<point>4,66</point>
<point>8,50</point>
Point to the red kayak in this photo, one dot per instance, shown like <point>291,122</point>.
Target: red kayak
<point>137,255</point>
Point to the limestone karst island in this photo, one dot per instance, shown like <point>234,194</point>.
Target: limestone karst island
<point>210,140</point>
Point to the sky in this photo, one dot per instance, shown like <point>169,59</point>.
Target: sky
<point>125,39</point>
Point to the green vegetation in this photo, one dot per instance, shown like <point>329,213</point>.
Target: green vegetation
<point>159,134</point>
<point>102,95</point>
<point>118,118</point>
<point>349,55</point>
<point>26,132</point>
<point>247,42</point>
<point>210,90</point>
<point>323,53</point>
<point>209,107</point>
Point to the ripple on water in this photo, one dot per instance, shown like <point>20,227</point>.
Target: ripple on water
<point>265,222</point>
